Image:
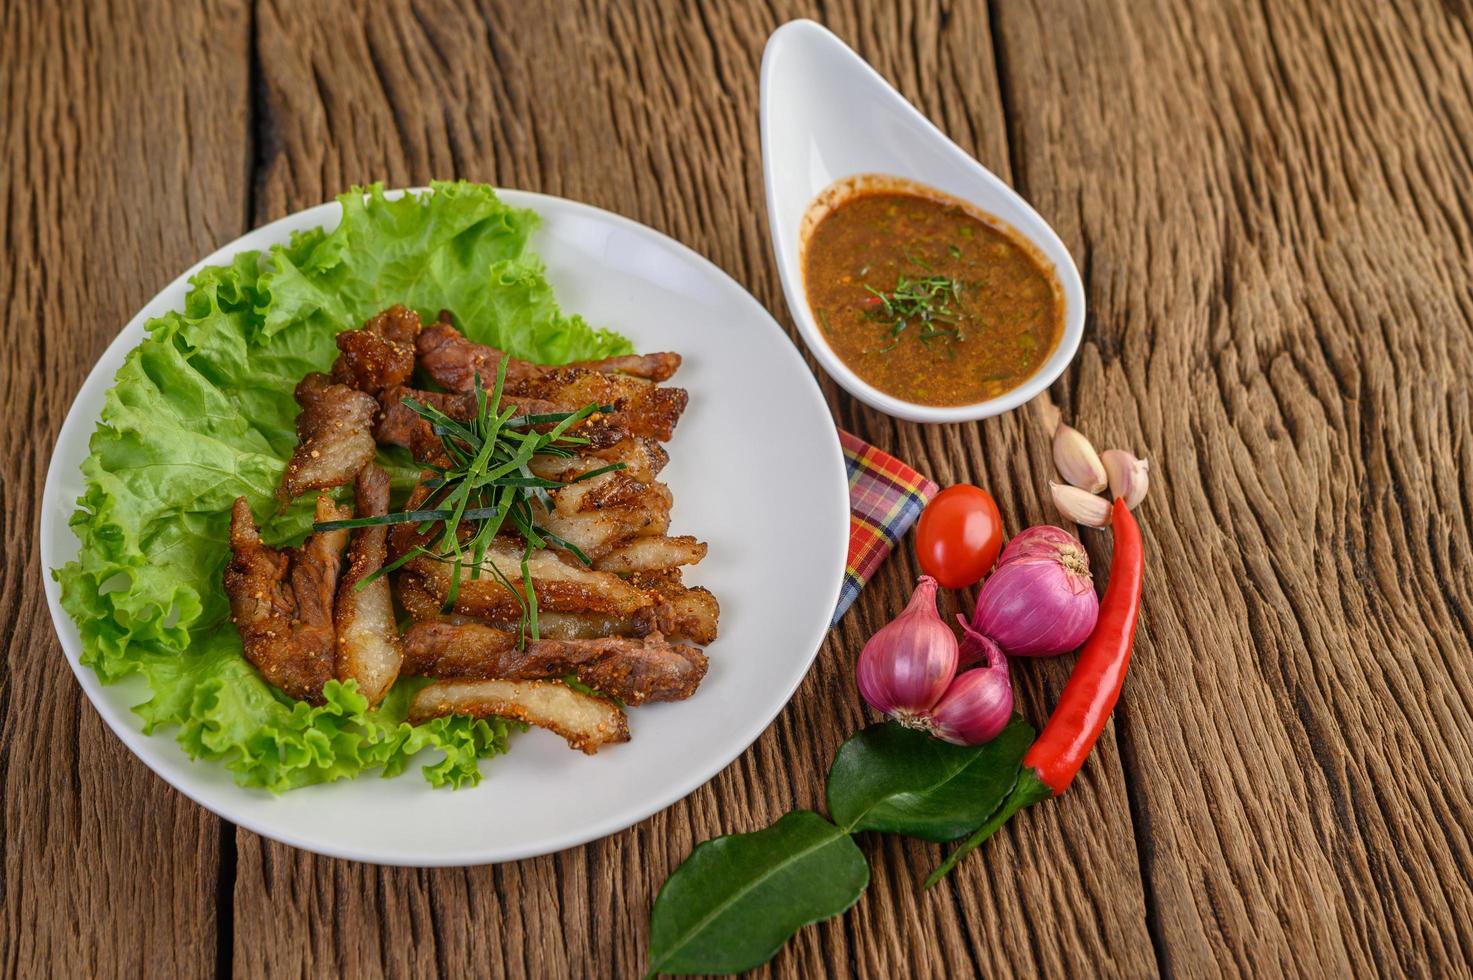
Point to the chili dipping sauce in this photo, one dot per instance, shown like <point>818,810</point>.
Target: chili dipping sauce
<point>924,298</point>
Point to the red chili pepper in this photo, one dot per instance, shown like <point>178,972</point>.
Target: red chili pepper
<point>1094,686</point>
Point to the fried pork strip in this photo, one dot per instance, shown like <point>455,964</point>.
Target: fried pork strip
<point>282,601</point>
<point>334,436</point>
<point>640,407</point>
<point>588,723</point>
<point>400,425</point>
<point>632,670</point>
<point>652,367</point>
<point>560,584</point>
<point>453,360</point>
<point>689,612</point>
<point>380,355</point>
<point>598,514</point>
<point>643,459</point>
<point>368,649</point>
<point>415,596</point>
<point>592,626</point>
<point>652,554</point>
<point>423,606</point>
<point>680,613</point>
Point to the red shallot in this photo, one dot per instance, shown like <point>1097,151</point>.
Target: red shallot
<point>1040,601</point>
<point>906,666</point>
<point>907,671</point>
<point>979,703</point>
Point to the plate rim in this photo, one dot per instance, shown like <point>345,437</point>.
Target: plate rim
<point>122,721</point>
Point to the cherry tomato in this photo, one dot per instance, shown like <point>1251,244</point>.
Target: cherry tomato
<point>959,535</point>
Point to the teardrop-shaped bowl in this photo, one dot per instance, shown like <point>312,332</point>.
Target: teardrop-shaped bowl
<point>827,115</point>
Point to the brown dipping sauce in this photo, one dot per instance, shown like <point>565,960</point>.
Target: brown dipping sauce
<point>924,298</point>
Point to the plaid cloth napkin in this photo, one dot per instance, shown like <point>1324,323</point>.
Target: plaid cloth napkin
<point>885,498</point>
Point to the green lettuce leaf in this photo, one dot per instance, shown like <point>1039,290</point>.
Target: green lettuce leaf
<point>202,412</point>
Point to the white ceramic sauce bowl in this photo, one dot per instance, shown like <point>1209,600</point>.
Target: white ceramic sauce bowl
<point>827,115</point>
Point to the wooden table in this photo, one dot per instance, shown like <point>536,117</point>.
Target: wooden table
<point>1270,204</point>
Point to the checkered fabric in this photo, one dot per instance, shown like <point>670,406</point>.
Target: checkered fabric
<point>885,498</point>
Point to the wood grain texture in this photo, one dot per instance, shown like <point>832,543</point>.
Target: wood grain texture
<point>120,164</point>
<point>1269,204</point>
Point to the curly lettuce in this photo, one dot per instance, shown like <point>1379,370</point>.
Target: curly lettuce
<point>202,412</point>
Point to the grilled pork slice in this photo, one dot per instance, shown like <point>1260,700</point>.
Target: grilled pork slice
<point>690,613</point>
<point>639,407</point>
<point>422,606</point>
<point>592,626</point>
<point>632,670</point>
<point>651,367</point>
<point>453,360</point>
<point>610,491</point>
<point>397,422</point>
<point>655,553</point>
<point>380,354</point>
<point>281,601</point>
<point>587,722</point>
<point>643,459</point>
<point>597,514</point>
<point>560,584</point>
<point>400,425</point>
<point>680,613</point>
<point>416,598</point>
<point>367,635</point>
<point>334,436</point>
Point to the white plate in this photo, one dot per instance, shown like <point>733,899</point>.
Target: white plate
<point>756,470</point>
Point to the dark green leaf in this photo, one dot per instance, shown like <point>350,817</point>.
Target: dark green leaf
<point>901,781</point>
<point>737,899</point>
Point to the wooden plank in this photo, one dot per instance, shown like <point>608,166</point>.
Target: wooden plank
<point>123,151</point>
<point>651,110</point>
<point>1270,202</point>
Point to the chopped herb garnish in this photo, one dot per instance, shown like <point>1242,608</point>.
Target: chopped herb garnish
<point>930,303</point>
<point>488,486</point>
<point>956,253</point>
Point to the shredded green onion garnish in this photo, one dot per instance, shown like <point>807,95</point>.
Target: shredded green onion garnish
<point>489,486</point>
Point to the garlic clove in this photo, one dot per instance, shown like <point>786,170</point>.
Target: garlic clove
<point>1050,414</point>
<point>1129,477</point>
<point>1080,506</point>
<point>1077,461</point>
